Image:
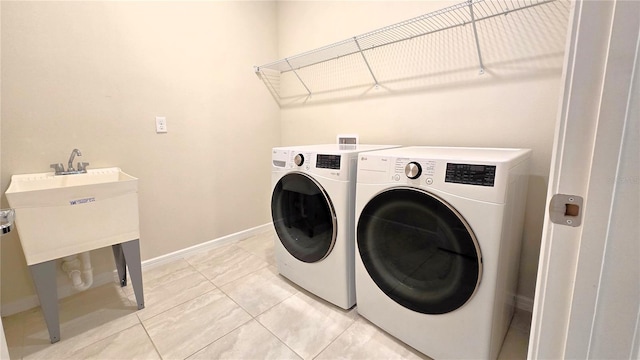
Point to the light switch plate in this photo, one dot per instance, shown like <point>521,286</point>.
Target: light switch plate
<point>161,124</point>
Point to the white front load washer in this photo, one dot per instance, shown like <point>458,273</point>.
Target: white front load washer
<point>438,244</point>
<point>312,207</point>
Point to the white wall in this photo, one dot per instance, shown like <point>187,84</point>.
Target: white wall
<point>93,76</point>
<point>514,104</point>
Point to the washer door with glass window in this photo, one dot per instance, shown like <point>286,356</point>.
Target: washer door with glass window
<point>304,217</point>
<point>419,250</point>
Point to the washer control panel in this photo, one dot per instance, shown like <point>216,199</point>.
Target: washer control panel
<point>324,161</point>
<point>298,159</point>
<point>334,166</point>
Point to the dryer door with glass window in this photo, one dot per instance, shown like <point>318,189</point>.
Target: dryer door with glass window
<point>419,250</point>
<point>304,217</point>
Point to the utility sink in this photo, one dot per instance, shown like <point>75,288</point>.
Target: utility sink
<point>61,215</point>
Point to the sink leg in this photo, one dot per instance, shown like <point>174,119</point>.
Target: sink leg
<point>44,277</point>
<point>131,251</point>
<point>121,264</point>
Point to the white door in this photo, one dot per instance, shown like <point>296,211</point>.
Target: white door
<point>587,302</point>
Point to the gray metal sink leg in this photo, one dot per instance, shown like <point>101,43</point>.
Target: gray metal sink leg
<point>121,264</point>
<point>44,277</point>
<point>127,255</point>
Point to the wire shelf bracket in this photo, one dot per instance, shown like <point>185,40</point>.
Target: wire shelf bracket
<point>298,76</point>
<point>355,39</point>
<point>475,35</point>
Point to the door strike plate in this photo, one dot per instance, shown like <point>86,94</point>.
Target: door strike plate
<point>566,210</point>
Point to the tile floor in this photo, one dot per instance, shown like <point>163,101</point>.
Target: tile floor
<point>225,303</point>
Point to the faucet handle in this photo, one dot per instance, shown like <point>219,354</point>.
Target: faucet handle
<point>59,168</point>
<point>82,166</point>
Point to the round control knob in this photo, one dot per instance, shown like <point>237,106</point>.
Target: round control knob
<point>413,170</point>
<point>298,160</point>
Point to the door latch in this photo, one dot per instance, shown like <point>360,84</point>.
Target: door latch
<point>566,209</point>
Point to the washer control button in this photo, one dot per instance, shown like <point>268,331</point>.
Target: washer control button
<point>298,160</point>
<point>396,177</point>
<point>413,170</point>
<point>429,181</point>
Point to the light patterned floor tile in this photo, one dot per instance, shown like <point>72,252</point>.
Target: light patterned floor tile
<point>515,346</point>
<point>84,318</point>
<point>171,285</point>
<point>189,327</point>
<point>96,297</point>
<point>364,340</point>
<point>14,334</point>
<point>132,343</point>
<point>250,341</point>
<point>517,340</point>
<point>259,291</point>
<point>260,245</point>
<point>76,334</point>
<point>157,273</point>
<point>226,264</point>
<point>186,316</point>
<point>306,324</point>
<point>521,321</point>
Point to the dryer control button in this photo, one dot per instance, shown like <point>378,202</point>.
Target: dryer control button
<point>298,160</point>
<point>429,181</point>
<point>413,170</point>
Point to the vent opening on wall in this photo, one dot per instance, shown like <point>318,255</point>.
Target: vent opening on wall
<point>347,139</point>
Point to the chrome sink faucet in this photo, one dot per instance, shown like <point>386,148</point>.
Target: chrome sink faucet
<point>74,152</point>
<point>82,166</point>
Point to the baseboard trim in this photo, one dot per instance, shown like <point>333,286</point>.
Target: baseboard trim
<point>163,259</point>
<point>524,303</point>
<point>66,290</point>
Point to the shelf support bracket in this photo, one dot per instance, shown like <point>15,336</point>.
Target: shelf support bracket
<point>475,34</point>
<point>266,81</point>
<point>365,61</point>
<point>298,76</point>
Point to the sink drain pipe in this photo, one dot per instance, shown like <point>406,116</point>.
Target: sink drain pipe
<point>79,269</point>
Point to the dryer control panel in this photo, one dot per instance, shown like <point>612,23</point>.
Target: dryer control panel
<point>470,174</point>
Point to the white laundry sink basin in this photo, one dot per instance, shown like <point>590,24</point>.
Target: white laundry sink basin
<point>61,215</point>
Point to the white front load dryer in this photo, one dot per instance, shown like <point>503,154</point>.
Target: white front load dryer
<point>312,206</point>
<point>438,244</point>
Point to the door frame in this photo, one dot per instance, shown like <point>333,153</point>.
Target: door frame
<point>600,62</point>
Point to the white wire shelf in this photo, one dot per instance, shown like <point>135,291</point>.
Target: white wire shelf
<point>466,13</point>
